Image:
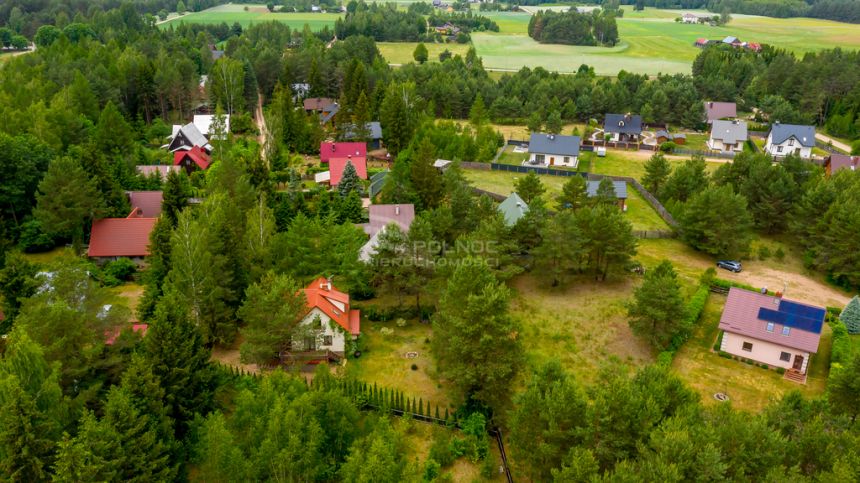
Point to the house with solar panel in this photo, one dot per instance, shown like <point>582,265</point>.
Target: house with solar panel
<point>771,330</point>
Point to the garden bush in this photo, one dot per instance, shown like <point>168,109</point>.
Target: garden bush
<point>440,451</point>
<point>763,252</point>
<point>780,370</point>
<point>116,272</point>
<point>779,254</point>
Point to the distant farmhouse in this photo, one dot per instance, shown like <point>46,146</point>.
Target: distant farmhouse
<point>720,110</point>
<point>689,17</point>
<point>785,139</point>
<point>553,150</point>
<point>730,40</point>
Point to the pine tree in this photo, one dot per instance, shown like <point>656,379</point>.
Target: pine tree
<point>478,113</point>
<point>178,358</point>
<point>723,232</point>
<point>177,190</point>
<point>349,181</point>
<point>26,446</point>
<point>657,171</point>
<point>159,267</point>
<point>574,194</point>
<point>605,194</point>
<point>272,309</point>
<point>529,187</point>
<point>361,118</point>
<point>395,114</point>
<point>658,312</point>
<point>67,200</point>
<point>562,248</point>
<point>425,178</point>
<point>850,316</point>
<point>553,122</point>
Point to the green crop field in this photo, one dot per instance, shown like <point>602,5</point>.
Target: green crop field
<point>231,13</point>
<point>651,41</point>
<point>401,52</point>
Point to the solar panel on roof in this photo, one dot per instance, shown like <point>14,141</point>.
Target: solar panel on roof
<point>790,316</point>
<point>800,309</point>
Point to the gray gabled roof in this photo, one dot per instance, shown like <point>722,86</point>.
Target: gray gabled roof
<point>328,113</point>
<point>554,144</point>
<point>623,123</point>
<point>373,127</point>
<point>513,208</point>
<point>191,135</point>
<point>620,188</point>
<point>729,132</point>
<point>805,135</point>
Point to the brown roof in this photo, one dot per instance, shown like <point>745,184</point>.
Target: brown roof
<point>149,202</point>
<point>317,103</point>
<point>841,161</point>
<point>383,215</point>
<point>120,237</point>
<point>741,316</point>
<point>720,110</point>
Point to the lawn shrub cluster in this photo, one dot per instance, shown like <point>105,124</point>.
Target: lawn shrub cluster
<point>694,310</point>
<point>376,313</point>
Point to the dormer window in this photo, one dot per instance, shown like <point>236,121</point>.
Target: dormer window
<point>786,330</point>
<point>791,142</point>
<point>770,326</point>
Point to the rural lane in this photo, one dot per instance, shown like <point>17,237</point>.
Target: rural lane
<point>836,144</point>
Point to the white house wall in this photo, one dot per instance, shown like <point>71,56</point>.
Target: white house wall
<point>762,351</point>
<point>338,339</point>
<point>774,149</point>
<point>559,160</point>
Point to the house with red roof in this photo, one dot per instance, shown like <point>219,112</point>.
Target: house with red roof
<point>342,150</point>
<point>338,165</point>
<point>112,238</point>
<point>112,335</point>
<point>328,322</point>
<point>771,330</point>
<point>835,162</point>
<point>192,160</point>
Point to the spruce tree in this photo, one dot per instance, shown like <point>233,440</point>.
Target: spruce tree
<point>177,190</point>
<point>478,113</point>
<point>26,446</point>
<point>425,178</point>
<point>349,181</point>
<point>850,316</point>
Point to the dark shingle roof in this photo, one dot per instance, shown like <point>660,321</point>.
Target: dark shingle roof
<point>623,123</point>
<point>805,135</point>
<point>554,144</point>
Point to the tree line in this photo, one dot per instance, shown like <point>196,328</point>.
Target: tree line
<point>595,28</point>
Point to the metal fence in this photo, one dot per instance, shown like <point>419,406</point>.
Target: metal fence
<point>536,170</point>
<point>707,154</point>
<point>376,183</point>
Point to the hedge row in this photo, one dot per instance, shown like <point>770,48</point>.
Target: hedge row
<point>694,310</point>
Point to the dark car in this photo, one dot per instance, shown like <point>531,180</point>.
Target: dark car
<point>730,265</point>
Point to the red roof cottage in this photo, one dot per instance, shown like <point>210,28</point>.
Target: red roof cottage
<point>771,330</point>
<point>112,238</point>
<point>192,160</point>
<point>330,322</point>
<point>342,150</point>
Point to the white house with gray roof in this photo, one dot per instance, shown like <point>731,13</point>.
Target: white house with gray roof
<point>785,139</point>
<point>728,136</point>
<point>553,150</point>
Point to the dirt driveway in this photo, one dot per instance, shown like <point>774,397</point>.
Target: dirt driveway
<point>797,286</point>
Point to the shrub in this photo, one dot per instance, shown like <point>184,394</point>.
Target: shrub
<point>241,123</point>
<point>719,342</point>
<point>764,366</point>
<point>440,451</point>
<point>431,470</point>
<point>780,370</point>
<point>779,254</point>
<point>121,268</point>
<point>668,147</point>
<point>665,358</point>
<point>387,331</point>
<point>763,252</point>
<point>401,322</point>
<point>725,355</point>
<point>488,468</point>
<point>32,239</point>
<point>840,352</point>
<point>708,276</point>
<point>414,367</point>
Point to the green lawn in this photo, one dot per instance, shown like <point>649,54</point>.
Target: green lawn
<point>639,212</point>
<point>749,387</point>
<point>401,52</point>
<point>697,142</point>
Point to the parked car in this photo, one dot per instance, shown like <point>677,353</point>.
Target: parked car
<point>730,265</point>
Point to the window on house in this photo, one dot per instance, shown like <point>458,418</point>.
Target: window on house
<point>539,158</point>
<point>770,326</point>
<point>784,356</point>
<point>327,340</point>
<point>779,149</point>
<point>747,346</point>
<point>791,142</point>
<point>786,330</point>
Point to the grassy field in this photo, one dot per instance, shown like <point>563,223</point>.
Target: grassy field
<point>231,13</point>
<point>652,42</point>
<point>401,52</point>
<point>639,212</point>
<point>748,387</point>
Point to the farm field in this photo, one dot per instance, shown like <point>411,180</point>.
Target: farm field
<point>230,13</point>
<point>401,52</point>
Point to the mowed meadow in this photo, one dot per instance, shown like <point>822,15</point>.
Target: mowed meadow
<point>651,41</point>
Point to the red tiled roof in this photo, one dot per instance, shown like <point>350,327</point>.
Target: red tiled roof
<point>740,316</point>
<point>196,154</point>
<point>317,103</point>
<point>120,237</point>
<point>149,202</point>
<point>111,335</point>
<point>321,297</point>
<point>342,150</point>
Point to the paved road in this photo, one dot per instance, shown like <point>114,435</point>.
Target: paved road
<point>836,144</point>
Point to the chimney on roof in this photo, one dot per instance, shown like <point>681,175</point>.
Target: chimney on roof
<point>710,104</point>
<point>326,285</point>
<point>776,123</point>
<point>333,147</point>
<point>397,210</point>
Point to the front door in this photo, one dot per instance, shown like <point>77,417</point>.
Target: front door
<point>798,363</point>
<point>552,161</point>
